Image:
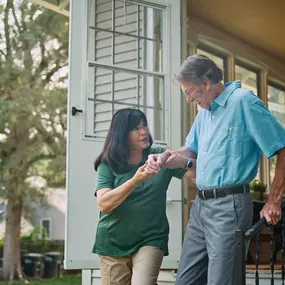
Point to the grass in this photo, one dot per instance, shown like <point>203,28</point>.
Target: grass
<point>65,280</point>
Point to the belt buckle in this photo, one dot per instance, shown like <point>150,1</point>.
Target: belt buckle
<point>203,194</point>
<point>215,193</point>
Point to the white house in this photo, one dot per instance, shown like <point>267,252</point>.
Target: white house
<point>48,215</point>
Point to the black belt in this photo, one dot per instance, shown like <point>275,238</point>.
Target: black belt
<point>210,193</point>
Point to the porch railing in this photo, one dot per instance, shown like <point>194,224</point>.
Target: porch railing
<point>242,245</point>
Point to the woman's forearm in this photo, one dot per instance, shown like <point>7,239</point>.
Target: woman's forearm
<point>110,199</point>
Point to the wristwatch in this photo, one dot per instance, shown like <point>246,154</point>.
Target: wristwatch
<point>189,163</point>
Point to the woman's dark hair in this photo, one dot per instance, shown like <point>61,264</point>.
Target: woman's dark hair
<point>116,149</point>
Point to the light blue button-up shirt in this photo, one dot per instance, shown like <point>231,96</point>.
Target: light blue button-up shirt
<point>230,138</point>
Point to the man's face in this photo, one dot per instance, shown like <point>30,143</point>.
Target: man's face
<point>199,93</point>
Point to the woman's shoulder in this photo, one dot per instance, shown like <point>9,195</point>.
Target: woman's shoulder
<point>104,167</point>
<point>155,150</point>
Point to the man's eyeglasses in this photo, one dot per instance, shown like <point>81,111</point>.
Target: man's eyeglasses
<point>188,91</point>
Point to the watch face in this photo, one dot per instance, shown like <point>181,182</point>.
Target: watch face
<point>189,163</point>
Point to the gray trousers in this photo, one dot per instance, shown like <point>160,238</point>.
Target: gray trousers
<point>208,251</point>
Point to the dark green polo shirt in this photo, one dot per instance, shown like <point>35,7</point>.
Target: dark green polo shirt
<point>141,219</point>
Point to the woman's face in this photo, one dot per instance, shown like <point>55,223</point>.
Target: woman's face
<point>139,137</point>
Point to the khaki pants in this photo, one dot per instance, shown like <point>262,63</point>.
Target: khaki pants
<point>139,268</point>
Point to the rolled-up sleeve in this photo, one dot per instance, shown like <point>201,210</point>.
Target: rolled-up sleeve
<point>105,177</point>
<point>267,132</point>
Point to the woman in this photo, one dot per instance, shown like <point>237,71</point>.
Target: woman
<point>132,233</point>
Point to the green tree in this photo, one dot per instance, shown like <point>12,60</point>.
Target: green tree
<point>33,57</point>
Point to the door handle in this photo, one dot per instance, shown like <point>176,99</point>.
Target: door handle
<point>169,201</point>
<point>185,201</point>
<point>74,110</point>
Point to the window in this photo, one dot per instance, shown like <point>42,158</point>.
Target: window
<point>276,104</point>
<point>45,228</point>
<point>126,52</point>
<point>247,77</point>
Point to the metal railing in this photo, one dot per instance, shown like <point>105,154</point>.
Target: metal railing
<point>242,245</point>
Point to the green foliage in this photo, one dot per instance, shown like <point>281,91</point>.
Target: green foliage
<point>32,243</point>
<point>1,240</point>
<point>42,246</point>
<point>33,98</point>
<point>36,235</point>
<point>257,186</point>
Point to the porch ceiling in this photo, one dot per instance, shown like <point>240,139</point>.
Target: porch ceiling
<point>260,23</point>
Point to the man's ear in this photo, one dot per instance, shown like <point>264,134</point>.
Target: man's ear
<point>207,84</point>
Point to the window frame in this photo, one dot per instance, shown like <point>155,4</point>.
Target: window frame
<point>42,220</point>
<point>164,75</point>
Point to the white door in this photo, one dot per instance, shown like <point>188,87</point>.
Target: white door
<point>122,54</point>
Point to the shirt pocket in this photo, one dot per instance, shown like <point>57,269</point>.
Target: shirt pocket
<point>229,140</point>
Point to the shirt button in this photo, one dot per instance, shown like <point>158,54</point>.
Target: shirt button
<point>202,173</point>
<point>205,152</point>
<point>213,117</point>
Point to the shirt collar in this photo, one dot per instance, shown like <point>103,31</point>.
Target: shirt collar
<point>222,99</point>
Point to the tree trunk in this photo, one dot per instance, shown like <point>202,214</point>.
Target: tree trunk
<point>12,256</point>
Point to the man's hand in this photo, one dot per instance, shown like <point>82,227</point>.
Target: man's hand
<point>272,212</point>
<point>167,159</point>
<point>176,160</point>
<point>156,161</point>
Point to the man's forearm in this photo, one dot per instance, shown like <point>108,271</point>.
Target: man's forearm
<point>186,152</point>
<point>177,159</point>
<point>278,184</point>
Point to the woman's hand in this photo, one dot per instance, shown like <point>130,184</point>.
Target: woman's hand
<point>156,161</point>
<point>142,175</point>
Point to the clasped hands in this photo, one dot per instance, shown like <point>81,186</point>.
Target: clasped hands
<point>167,159</point>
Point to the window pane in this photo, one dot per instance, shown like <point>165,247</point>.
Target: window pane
<point>276,104</point>
<point>46,229</point>
<point>247,77</point>
<point>126,34</point>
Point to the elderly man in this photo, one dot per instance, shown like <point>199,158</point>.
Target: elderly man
<point>223,147</point>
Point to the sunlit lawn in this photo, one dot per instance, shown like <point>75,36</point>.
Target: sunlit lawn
<point>65,280</point>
